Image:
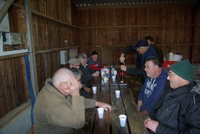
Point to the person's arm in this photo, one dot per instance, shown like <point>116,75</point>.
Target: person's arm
<point>91,103</point>
<point>94,67</point>
<point>62,115</point>
<point>139,104</point>
<point>135,71</point>
<point>127,49</point>
<point>140,97</point>
<point>103,105</point>
<point>144,112</point>
<point>86,78</point>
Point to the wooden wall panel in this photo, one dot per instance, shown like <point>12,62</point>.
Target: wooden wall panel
<point>47,64</point>
<point>53,35</point>
<point>14,88</point>
<point>40,34</point>
<point>171,27</point>
<point>39,6</point>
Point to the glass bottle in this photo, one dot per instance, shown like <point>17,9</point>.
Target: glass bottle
<point>122,74</point>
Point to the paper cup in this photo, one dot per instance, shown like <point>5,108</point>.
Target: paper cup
<point>105,80</point>
<point>113,77</point>
<point>122,119</point>
<point>115,72</point>
<point>117,92</point>
<point>100,112</point>
<point>94,89</point>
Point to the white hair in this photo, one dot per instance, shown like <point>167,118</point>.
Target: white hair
<point>61,75</point>
<point>145,47</point>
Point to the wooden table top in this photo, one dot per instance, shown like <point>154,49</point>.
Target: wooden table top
<point>110,124</point>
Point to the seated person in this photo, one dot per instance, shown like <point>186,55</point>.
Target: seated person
<point>84,91</point>
<point>59,108</point>
<point>75,63</point>
<point>153,86</point>
<point>180,112</point>
<point>93,62</point>
<point>88,74</point>
<point>154,111</point>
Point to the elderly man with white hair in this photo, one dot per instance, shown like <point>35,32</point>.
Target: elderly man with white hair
<point>59,108</point>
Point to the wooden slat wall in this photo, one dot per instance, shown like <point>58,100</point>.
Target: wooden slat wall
<point>13,85</point>
<point>171,25</point>
<point>52,24</point>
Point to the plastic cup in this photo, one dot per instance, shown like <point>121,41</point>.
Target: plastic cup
<point>94,89</point>
<point>117,92</point>
<point>105,80</point>
<point>122,119</point>
<point>113,77</point>
<point>100,112</point>
<point>115,72</point>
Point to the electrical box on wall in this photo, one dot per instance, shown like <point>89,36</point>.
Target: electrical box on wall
<point>13,38</point>
<point>63,57</point>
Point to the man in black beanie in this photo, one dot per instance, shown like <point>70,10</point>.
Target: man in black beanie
<point>180,112</point>
<point>93,62</point>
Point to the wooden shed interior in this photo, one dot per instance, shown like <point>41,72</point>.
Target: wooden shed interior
<point>51,27</point>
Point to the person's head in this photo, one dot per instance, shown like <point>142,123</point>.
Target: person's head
<point>77,74</point>
<point>60,80</point>
<point>152,67</point>
<point>94,55</point>
<point>149,39</point>
<point>180,74</point>
<point>141,46</point>
<point>74,63</point>
<point>83,58</point>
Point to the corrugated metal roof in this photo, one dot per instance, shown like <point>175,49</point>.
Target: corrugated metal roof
<point>80,3</point>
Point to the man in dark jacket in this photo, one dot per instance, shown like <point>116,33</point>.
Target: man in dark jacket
<point>157,49</point>
<point>93,62</point>
<point>88,74</point>
<point>180,112</point>
<point>146,51</point>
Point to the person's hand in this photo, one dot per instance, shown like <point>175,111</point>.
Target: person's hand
<point>74,86</point>
<point>87,89</point>
<point>105,106</point>
<point>95,74</point>
<point>123,68</point>
<point>122,58</point>
<point>105,67</point>
<point>151,124</point>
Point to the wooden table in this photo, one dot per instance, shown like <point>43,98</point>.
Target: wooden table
<point>110,123</point>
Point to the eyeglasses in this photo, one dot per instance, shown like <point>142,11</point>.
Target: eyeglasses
<point>171,74</point>
<point>148,66</point>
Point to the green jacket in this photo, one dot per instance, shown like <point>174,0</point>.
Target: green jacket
<point>55,113</point>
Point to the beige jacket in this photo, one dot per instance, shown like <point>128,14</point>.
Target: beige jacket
<point>55,113</point>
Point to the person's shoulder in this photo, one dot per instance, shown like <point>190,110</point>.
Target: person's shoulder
<point>89,61</point>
